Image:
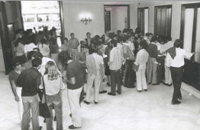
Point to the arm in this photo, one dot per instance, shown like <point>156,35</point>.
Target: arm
<point>38,81</point>
<point>13,87</point>
<point>71,81</point>
<point>111,59</point>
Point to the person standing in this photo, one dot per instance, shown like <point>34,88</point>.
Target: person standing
<point>94,63</point>
<point>152,62</point>
<point>30,80</point>
<point>74,81</point>
<point>175,60</point>
<point>141,60</point>
<point>115,63</point>
<point>53,85</point>
<point>73,44</point>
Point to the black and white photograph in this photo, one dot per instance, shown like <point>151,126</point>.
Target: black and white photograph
<point>100,65</point>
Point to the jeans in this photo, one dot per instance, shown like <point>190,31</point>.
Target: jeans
<point>54,101</point>
<point>30,102</point>
<point>115,80</point>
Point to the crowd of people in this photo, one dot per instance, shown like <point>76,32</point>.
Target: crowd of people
<point>125,58</point>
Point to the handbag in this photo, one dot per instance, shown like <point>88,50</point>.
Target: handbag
<point>43,107</point>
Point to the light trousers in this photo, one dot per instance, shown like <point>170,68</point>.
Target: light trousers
<point>30,103</point>
<point>168,77</point>
<point>97,83</point>
<point>75,108</point>
<point>20,104</point>
<point>151,71</point>
<point>141,80</point>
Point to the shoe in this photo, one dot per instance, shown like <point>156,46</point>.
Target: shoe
<point>118,92</point>
<point>55,118</point>
<point>139,90</point>
<point>145,89</point>
<point>44,120</point>
<point>40,127</point>
<point>108,84</point>
<point>175,102</point>
<point>111,94</point>
<point>73,127</point>
<point>165,84</point>
<point>95,102</point>
<point>170,84</point>
<point>130,86</point>
<point>104,91</point>
<point>180,98</point>
<point>86,102</point>
<point>156,84</point>
<point>70,115</point>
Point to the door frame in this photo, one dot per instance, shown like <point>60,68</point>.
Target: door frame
<point>128,12</point>
<point>190,64</point>
<point>155,16</point>
<point>138,17</point>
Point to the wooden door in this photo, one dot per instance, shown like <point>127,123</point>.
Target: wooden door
<point>163,20</point>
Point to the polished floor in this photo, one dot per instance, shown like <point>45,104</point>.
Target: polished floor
<point>151,110</point>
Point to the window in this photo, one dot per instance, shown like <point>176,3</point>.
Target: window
<point>28,18</point>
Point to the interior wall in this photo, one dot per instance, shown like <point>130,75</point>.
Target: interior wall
<point>72,23</point>
<point>176,15</point>
<point>118,16</point>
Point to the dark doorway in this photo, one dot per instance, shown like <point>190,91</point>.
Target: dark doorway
<point>163,17</point>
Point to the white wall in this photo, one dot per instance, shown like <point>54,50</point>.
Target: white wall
<point>176,15</point>
<point>72,23</point>
<point>118,15</point>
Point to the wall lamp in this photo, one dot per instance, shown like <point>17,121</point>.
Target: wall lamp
<point>86,20</point>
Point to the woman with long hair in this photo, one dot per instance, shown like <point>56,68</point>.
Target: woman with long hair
<point>44,47</point>
<point>19,51</point>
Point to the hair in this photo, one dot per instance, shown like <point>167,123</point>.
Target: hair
<point>149,34</point>
<point>88,33</point>
<point>114,43</point>
<point>178,43</point>
<point>154,38</point>
<point>65,38</point>
<point>37,55</point>
<point>36,61</point>
<point>16,62</point>
<point>168,38</point>
<point>17,41</point>
<point>143,44</point>
<point>37,49</point>
<point>119,31</point>
<point>52,71</point>
<point>120,39</point>
<point>71,34</point>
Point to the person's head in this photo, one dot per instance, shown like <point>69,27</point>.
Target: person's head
<point>109,43</point>
<point>125,30</point>
<point>120,40</point>
<point>36,62</point>
<point>143,44</point>
<point>154,39</point>
<point>168,38</point>
<point>131,39</point>
<point>114,43</point>
<point>52,71</point>
<point>107,32</point>
<point>88,34</point>
<point>72,35</point>
<point>65,40</point>
<point>37,55</point>
<point>16,64</point>
<point>119,32</point>
<point>128,37</point>
<point>136,35</point>
<point>149,36</point>
<point>36,49</point>
<point>19,40</point>
<point>178,43</point>
<point>43,41</point>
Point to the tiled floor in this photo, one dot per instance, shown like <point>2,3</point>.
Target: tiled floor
<point>151,110</point>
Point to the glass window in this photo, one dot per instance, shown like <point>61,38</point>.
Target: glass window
<point>28,18</point>
<point>197,42</point>
<point>42,17</point>
<point>146,20</point>
<point>189,18</point>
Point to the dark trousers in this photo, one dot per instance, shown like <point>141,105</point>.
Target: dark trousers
<point>160,69</point>
<point>115,80</point>
<point>177,75</point>
<point>130,76</point>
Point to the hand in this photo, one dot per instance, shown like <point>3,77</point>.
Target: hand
<point>17,98</point>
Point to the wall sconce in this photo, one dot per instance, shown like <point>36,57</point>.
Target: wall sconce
<point>86,20</point>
